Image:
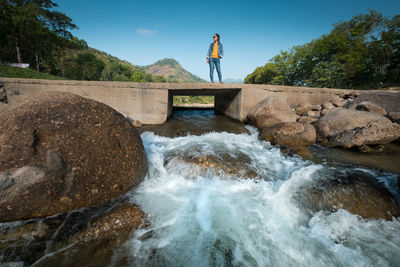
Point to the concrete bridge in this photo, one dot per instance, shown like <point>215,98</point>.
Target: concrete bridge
<point>151,103</point>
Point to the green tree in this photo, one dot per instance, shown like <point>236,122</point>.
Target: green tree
<point>263,75</point>
<point>32,24</point>
<point>363,52</point>
<point>88,67</point>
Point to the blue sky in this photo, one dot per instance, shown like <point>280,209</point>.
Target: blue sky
<point>252,32</point>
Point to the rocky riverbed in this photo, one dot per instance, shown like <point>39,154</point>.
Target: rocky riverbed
<point>216,192</point>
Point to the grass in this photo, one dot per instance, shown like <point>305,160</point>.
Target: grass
<point>14,72</point>
<point>193,100</point>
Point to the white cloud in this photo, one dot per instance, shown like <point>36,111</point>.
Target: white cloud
<point>146,32</point>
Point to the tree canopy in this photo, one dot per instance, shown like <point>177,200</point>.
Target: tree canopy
<point>361,53</point>
<point>33,32</point>
<point>31,29</point>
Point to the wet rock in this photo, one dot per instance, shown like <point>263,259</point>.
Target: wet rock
<point>371,107</point>
<point>303,109</point>
<point>65,152</point>
<point>307,119</point>
<point>374,133</point>
<point>87,237</point>
<point>290,134</point>
<point>238,166</point>
<point>356,191</point>
<point>341,120</point>
<point>272,110</point>
<point>370,149</point>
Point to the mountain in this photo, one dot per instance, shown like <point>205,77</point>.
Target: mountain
<point>171,70</point>
<point>231,80</point>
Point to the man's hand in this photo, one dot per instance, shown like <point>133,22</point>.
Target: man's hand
<point>208,60</point>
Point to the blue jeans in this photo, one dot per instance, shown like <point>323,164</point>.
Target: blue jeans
<point>215,62</point>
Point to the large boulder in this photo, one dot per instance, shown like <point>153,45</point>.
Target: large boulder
<point>64,152</point>
<point>388,100</point>
<point>374,133</point>
<point>355,191</point>
<point>342,120</point>
<point>85,237</point>
<point>272,110</point>
<point>289,134</point>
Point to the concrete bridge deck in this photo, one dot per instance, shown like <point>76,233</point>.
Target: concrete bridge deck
<point>151,103</point>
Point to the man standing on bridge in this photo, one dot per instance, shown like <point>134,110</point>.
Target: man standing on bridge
<point>215,53</point>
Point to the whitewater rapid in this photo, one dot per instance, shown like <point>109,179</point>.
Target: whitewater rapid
<point>209,218</point>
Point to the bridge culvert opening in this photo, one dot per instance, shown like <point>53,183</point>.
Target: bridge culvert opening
<point>221,100</point>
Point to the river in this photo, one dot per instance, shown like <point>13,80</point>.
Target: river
<point>204,215</point>
<point>215,195</point>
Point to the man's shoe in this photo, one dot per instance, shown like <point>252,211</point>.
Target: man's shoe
<point>221,82</point>
<point>212,82</point>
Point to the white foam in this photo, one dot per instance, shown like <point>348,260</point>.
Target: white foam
<point>199,219</point>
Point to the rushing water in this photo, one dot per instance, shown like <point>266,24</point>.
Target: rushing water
<point>215,195</point>
<point>200,216</point>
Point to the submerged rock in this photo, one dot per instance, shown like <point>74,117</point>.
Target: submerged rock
<point>87,237</point>
<point>355,191</point>
<point>238,166</point>
<point>63,152</point>
<point>272,110</point>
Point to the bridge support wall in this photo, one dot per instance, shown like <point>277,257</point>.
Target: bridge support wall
<point>151,103</point>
